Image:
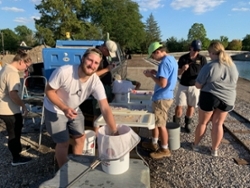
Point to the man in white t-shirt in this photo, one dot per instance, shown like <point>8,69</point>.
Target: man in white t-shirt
<point>68,87</point>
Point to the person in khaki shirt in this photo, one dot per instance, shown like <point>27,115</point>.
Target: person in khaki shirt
<point>10,103</point>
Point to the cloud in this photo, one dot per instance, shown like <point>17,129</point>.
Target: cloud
<point>25,20</point>
<point>198,7</point>
<point>36,1</point>
<point>13,9</point>
<point>240,9</point>
<point>149,4</point>
<point>0,2</point>
<point>22,20</point>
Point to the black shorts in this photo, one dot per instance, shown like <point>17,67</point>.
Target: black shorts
<point>208,102</point>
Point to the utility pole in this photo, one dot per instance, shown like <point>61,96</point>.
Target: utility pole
<point>2,42</point>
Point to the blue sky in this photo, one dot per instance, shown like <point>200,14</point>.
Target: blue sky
<point>229,18</point>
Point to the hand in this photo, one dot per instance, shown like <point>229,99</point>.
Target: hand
<point>25,113</point>
<point>25,110</point>
<point>154,72</point>
<point>70,113</point>
<point>185,67</point>
<point>110,67</point>
<point>147,73</point>
<point>114,133</point>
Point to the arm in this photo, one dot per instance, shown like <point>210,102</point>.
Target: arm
<point>53,97</point>
<point>162,82</point>
<point>197,85</point>
<point>104,71</point>
<point>183,69</point>
<point>17,100</point>
<point>107,115</point>
<point>137,85</point>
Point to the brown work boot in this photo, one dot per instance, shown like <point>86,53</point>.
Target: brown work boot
<point>159,154</point>
<point>150,146</point>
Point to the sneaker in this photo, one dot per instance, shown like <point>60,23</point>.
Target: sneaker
<point>214,153</point>
<point>25,148</point>
<point>159,154</point>
<point>195,147</point>
<point>21,160</point>
<point>150,146</point>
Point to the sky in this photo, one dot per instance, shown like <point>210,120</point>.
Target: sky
<point>230,18</point>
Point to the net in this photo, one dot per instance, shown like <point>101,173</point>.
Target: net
<point>115,147</point>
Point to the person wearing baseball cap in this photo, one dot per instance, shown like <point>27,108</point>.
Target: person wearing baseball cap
<point>187,94</point>
<point>112,48</point>
<point>165,79</point>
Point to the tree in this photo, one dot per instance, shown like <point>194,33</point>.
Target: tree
<point>235,45</point>
<point>224,41</point>
<point>176,46</point>
<point>246,43</point>
<point>152,30</point>
<point>197,31</point>
<point>121,19</point>
<point>25,34</point>
<point>10,40</point>
<point>59,17</point>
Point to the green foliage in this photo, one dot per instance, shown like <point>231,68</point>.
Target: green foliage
<point>152,30</point>
<point>121,19</point>
<point>234,45</point>
<point>25,34</point>
<point>246,43</point>
<point>173,45</point>
<point>57,18</point>
<point>10,40</point>
<point>45,36</point>
<point>224,41</point>
<point>197,31</point>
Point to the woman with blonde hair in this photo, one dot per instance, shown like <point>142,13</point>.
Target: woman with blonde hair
<point>217,81</point>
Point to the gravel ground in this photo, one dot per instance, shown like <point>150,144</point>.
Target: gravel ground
<point>185,168</point>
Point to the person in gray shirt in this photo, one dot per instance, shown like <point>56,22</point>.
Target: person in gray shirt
<point>217,81</point>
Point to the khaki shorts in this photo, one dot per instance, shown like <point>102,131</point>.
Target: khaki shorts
<point>160,109</point>
<point>187,95</point>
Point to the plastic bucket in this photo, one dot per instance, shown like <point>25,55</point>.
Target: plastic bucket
<point>89,143</point>
<point>117,166</point>
<point>173,136</point>
<point>114,150</point>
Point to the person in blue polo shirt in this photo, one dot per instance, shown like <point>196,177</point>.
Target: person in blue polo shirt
<point>165,81</point>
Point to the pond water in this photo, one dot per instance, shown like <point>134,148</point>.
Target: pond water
<point>243,68</point>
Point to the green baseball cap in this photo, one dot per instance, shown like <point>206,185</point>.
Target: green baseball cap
<point>153,46</point>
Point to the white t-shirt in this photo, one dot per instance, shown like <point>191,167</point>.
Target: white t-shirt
<point>122,86</point>
<point>71,90</point>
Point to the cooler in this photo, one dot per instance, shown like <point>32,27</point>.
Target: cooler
<point>56,57</point>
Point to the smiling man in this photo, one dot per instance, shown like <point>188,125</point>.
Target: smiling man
<point>68,87</point>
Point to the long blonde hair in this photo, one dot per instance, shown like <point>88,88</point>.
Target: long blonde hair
<point>218,49</point>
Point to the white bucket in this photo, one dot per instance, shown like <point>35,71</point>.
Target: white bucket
<point>89,143</point>
<point>122,97</point>
<point>117,166</point>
